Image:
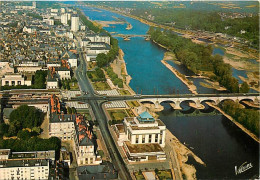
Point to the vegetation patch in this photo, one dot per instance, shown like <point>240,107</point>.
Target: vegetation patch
<point>249,118</point>
<point>31,144</point>
<point>21,118</point>
<point>124,92</point>
<point>69,84</point>
<point>130,113</point>
<point>117,115</point>
<point>139,175</point>
<point>196,57</point>
<point>97,75</point>
<point>100,86</point>
<point>133,103</point>
<point>164,174</point>
<point>114,77</point>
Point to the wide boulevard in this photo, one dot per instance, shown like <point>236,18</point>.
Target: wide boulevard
<point>100,116</point>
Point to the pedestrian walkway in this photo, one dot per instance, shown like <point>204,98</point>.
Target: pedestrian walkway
<point>77,105</point>
<point>116,104</point>
<point>113,92</point>
<point>70,94</point>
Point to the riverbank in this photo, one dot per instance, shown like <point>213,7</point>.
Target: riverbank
<point>187,82</point>
<point>183,154</point>
<point>108,23</point>
<point>182,77</point>
<point>251,77</point>
<point>119,67</point>
<point>212,85</point>
<point>235,122</point>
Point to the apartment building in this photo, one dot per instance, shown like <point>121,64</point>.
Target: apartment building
<point>25,165</point>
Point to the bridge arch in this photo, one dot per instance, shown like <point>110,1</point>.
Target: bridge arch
<point>188,101</point>
<point>246,99</point>
<point>226,99</point>
<point>147,101</point>
<point>167,101</point>
<point>209,100</point>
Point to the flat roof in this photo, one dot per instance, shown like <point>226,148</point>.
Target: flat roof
<point>34,154</point>
<point>55,118</point>
<point>142,148</point>
<point>23,163</point>
<point>65,155</point>
<point>144,128</point>
<point>160,123</point>
<point>120,128</point>
<point>4,151</point>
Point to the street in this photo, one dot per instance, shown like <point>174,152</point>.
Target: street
<point>96,106</point>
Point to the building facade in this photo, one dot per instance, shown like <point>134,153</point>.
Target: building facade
<point>74,23</point>
<point>142,137</point>
<point>64,19</point>
<point>25,165</point>
<point>99,38</point>
<point>13,79</point>
<point>73,127</point>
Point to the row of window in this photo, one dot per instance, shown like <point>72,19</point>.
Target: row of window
<point>149,139</point>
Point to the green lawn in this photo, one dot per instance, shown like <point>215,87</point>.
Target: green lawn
<point>99,86</point>
<point>117,114</point>
<point>164,175</point>
<point>74,86</point>
<point>124,92</point>
<point>133,103</point>
<point>93,75</point>
<point>130,113</point>
<point>85,112</point>
<point>139,176</point>
<point>91,65</point>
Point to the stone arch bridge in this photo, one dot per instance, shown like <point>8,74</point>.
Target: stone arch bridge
<point>197,100</point>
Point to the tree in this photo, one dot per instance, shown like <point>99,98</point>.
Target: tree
<point>74,111</point>
<point>12,131</point>
<point>100,73</point>
<point>36,130</point>
<point>40,79</point>
<point>25,117</point>
<point>23,134</point>
<point>244,88</point>
<point>69,111</point>
<point>101,60</point>
<point>3,128</point>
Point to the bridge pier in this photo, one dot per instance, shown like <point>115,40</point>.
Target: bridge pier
<point>256,101</point>
<point>177,105</point>
<point>217,102</point>
<point>199,105</point>
<point>156,105</point>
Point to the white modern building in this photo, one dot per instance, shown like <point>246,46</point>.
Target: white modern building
<point>64,19</point>
<point>99,38</point>
<point>95,48</point>
<point>25,165</point>
<point>142,137</point>
<point>74,23</point>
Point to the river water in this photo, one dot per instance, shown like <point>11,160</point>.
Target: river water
<point>219,143</point>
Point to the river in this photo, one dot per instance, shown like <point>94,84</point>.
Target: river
<point>219,143</point>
